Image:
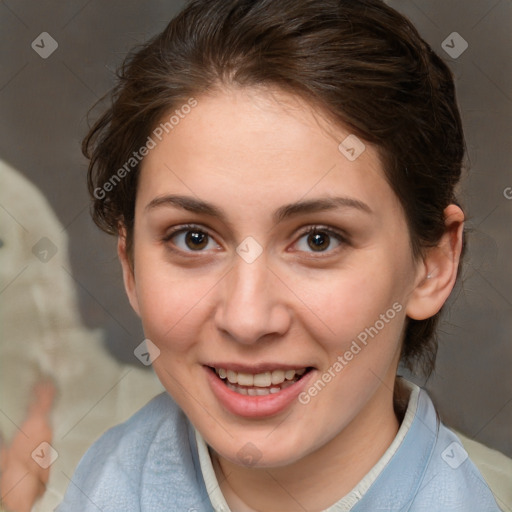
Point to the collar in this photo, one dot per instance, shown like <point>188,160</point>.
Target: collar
<point>349,501</point>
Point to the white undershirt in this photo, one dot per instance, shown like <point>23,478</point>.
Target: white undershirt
<point>344,504</point>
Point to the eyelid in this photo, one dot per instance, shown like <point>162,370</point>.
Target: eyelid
<point>175,230</point>
<point>324,229</point>
<point>342,238</point>
<point>184,227</point>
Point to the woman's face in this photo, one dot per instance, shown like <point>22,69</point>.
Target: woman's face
<point>261,247</point>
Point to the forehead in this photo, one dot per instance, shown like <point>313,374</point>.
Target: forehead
<point>260,148</point>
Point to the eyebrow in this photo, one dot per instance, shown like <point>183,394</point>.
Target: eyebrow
<point>199,206</point>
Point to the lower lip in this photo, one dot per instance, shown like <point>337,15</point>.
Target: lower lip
<point>255,406</point>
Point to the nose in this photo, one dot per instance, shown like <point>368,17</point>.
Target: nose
<point>252,304</point>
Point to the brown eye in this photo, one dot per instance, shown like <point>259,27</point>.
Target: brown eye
<point>319,241</point>
<point>191,239</point>
<point>196,240</point>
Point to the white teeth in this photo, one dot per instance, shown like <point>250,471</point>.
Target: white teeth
<point>261,380</point>
<point>289,374</point>
<point>253,391</point>
<point>242,391</point>
<point>245,379</point>
<point>277,376</point>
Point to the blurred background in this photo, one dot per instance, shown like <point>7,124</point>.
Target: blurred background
<point>58,58</point>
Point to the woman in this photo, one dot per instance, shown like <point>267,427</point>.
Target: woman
<point>280,176</point>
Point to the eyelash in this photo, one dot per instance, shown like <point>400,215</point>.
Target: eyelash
<point>332,233</point>
<point>183,229</point>
<point>342,239</point>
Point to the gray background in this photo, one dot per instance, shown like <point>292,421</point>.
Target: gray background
<point>43,106</point>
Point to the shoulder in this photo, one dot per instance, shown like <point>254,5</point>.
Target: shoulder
<point>428,470</point>
<point>450,481</point>
<point>151,458</point>
<point>132,440</point>
<point>494,466</point>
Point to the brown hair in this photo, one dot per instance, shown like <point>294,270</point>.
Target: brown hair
<point>359,60</point>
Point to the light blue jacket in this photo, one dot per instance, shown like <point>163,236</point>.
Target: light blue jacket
<point>150,463</point>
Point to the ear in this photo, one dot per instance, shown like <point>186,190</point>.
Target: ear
<point>438,271</point>
<point>128,270</point>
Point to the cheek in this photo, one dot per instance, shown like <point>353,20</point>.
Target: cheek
<point>352,301</point>
<point>172,305</point>
<point>363,303</point>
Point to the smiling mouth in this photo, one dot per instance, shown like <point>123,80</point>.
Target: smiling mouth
<point>259,384</point>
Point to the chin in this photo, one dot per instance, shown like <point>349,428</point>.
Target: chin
<point>259,452</point>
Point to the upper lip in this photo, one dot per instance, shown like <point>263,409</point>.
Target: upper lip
<point>256,368</point>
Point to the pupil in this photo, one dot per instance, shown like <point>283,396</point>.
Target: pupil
<point>196,240</point>
<point>318,241</point>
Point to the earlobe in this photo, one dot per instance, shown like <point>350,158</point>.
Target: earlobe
<point>128,270</point>
<point>438,272</point>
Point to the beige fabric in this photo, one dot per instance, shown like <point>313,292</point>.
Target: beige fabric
<point>42,335</point>
<point>495,467</point>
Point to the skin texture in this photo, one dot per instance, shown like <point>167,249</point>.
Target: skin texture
<point>250,152</point>
<point>22,481</point>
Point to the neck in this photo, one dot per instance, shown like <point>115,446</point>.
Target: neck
<point>323,477</point>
